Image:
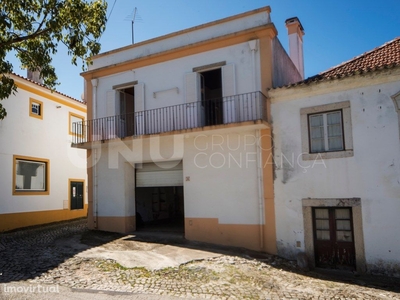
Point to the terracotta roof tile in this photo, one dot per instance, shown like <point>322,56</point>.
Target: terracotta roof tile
<point>384,57</point>
<point>42,85</point>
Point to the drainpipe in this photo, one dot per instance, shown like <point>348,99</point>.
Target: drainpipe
<point>253,48</point>
<point>260,188</point>
<point>94,157</point>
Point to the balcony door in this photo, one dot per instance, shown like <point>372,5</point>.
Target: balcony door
<point>211,107</point>
<point>211,96</point>
<point>127,111</point>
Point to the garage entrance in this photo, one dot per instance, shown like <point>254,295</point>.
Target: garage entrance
<point>159,197</point>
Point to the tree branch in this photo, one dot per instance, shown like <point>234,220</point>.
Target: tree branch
<point>26,37</point>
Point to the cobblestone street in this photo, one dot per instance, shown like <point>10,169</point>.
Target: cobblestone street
<point>43,256</point>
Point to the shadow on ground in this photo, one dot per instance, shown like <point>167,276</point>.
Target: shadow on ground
<point>28,253</point>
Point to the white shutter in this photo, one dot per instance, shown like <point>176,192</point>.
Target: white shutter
<point>228,80</point>
<point>110,103</point>
<point>192,87</point>
<point>159,174</point>
<point>108,124</point>
<point>192,98</point>
<point>139,97</point>
<point>229,92</point>
<point>139,109</point>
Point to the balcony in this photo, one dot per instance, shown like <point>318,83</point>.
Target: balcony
<point>213,112</point>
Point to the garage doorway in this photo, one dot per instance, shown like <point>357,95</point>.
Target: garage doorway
<point>159,197</point>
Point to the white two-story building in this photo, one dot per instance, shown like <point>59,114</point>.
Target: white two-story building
<point>42,179</point>
<point>178,131</point>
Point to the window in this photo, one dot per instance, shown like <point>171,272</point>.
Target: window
<point>75,124</point>
<point>35,108</point>
<point>30,176</point>
<point>326,131</point>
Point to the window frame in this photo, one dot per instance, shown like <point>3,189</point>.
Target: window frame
<point>70,131</point>
<point>17,192</point>
<point>347,151</point>
<point>325,126</point>
<point>40,104</point>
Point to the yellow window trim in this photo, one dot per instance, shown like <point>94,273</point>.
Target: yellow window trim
<point>69,192</point>
<point>51,96</point>
<point>23,193</point>
<point>40,103</point>
<point>71,114</point>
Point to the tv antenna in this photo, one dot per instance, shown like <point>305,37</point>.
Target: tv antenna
<point>134,16</point>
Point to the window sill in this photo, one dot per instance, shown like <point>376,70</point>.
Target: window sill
<point>327,155</point>
<point>33,193</point>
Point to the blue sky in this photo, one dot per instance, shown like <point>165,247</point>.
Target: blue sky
<point>336,31</point>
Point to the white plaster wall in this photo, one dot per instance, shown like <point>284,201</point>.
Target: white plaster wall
<point>223,178</point>
<point>179,39</point>
<point>373,174</point>
<point>49,138</point>
<point>222,169</point>
<point>171,74</point>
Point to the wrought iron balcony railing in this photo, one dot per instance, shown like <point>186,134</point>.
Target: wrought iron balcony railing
<point>225,110</point>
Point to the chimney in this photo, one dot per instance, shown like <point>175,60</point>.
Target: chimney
<point>296,32</point>
<point>34,76</point>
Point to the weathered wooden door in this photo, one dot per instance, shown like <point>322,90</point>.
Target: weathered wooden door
<point>334,238</point>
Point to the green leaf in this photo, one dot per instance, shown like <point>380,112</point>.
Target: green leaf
<point>35,28</point>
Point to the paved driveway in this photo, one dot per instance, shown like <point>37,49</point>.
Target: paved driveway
<point>67,261</point>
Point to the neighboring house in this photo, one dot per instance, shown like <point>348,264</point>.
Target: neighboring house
<point>179,131</point>
<point>337,156</point>
<point>42,178</point>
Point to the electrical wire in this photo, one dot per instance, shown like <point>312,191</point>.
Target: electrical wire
<point>108,18</point>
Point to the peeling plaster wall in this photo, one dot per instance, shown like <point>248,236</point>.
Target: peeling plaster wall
<point>372,174</point>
